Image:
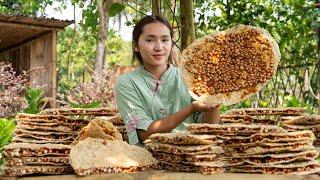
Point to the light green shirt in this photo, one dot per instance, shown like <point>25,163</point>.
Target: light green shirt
<point>142,99</point>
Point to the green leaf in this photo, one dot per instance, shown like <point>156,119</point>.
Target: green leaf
<point>34,98</point>
<point>263,103</point>
<point>94,104</point>
<point>276,36</point>
<point>115,9</point>
<point>223,109</point>
<point>31,111</point>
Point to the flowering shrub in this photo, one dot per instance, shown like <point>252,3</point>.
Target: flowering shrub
<point>100,89</point>
<point>12,88</point>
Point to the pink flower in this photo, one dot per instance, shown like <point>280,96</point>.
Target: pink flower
<point>12,88</point>
<point>101,88</point>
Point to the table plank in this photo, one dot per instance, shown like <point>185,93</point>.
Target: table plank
<point>164,175</point>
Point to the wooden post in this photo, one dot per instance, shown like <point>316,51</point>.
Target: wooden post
<point>187,23</point>
<point>318,62</point>
<point>54,68</point>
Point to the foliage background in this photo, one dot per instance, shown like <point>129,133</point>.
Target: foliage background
<point>293,23</point>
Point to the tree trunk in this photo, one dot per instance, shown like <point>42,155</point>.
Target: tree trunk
<point>156,7</point>
<point>175,55</point>
<point>228,11</point>
<point>187,23</point>
<point>69,69</point>
<point>101,48</point>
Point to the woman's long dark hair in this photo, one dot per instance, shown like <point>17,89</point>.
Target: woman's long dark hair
<point>138,30</point>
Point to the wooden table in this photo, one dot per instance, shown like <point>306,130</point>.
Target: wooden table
<point>166,175</point>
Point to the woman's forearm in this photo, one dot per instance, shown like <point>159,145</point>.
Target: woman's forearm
<point>167,124</point>
<point>212,117</point>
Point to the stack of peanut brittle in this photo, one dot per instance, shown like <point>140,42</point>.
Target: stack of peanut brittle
<point>43,129</point>
<point>303,122</point>
<point>102,111</point>
<point>263,148</point>
<point>269,116</point>
<point>182,151</point>
<point>26,158</point>
<point>40,145</point>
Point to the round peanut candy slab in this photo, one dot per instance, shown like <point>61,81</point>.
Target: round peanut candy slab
<point>229,66</point>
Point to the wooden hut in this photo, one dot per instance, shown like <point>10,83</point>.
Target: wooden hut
<point>29,44</point>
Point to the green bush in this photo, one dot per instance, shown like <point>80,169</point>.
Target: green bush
<point>287,101</point>
<point>6,128</point>
<point>94,104</point>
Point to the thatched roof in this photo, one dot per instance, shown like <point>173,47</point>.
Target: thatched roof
<point>17,29</point>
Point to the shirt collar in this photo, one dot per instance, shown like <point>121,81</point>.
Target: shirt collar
<point>163,77</point>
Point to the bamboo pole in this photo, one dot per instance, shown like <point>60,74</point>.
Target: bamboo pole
<point>54,68</point>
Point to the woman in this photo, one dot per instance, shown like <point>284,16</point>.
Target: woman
<point>153,98</point>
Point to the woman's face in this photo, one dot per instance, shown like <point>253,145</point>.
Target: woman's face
<point>154,45</point>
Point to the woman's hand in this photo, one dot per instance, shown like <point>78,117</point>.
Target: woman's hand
<point>201,107</point>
